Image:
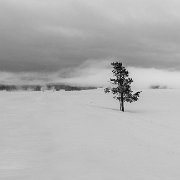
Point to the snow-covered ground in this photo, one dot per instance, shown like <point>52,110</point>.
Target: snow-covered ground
<point>83,136</point>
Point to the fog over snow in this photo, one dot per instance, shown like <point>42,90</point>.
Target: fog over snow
<point>96,73</point>
<point>82,135</point>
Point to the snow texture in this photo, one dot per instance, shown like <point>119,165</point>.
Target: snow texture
<point>83,136</point>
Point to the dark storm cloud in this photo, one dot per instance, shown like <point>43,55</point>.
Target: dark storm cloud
<point>46,35</point>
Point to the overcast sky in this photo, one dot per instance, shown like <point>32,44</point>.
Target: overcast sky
<point>75,40</point>
<point>49,35</point>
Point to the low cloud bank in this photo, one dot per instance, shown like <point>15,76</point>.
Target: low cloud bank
<point>149,77</point>
<point>96,73</point>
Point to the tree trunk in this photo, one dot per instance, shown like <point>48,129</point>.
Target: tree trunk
<point>122,102</point>
<point>120,105</point>
<point>123,106</point>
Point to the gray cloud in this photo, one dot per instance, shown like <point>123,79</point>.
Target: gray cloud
<point>46,35</point>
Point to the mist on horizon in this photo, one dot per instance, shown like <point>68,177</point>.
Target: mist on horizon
<point>98,74</point>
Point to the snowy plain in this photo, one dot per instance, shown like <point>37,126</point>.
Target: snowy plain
<point>83,136</point>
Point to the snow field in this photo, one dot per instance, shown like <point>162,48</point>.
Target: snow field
<point>83,136</point>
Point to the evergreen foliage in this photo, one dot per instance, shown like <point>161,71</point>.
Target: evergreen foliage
<point>122,89</point>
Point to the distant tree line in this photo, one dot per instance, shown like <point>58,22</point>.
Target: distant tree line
<point>158,87</point>
<point>66,87</point>
<point>54,87</point>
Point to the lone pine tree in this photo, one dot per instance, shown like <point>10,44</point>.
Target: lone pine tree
<point>122,85</point>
